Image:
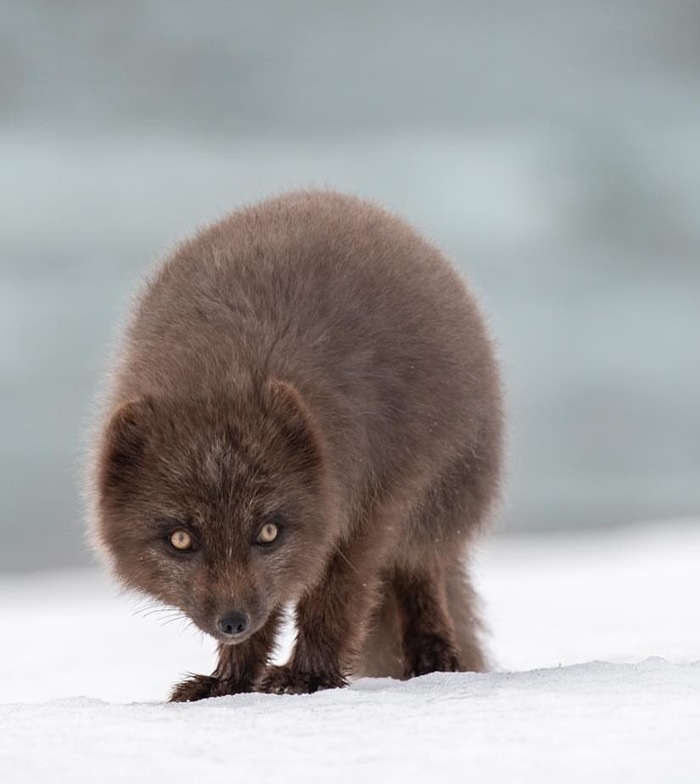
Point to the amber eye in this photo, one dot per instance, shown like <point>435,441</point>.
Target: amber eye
<point>181,540</point>
<point>268,534</point>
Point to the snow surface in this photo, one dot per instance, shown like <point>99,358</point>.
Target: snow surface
<point>596,637</point>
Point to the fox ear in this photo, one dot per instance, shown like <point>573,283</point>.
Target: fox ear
<point>124,441</point>
<point>298,428</point>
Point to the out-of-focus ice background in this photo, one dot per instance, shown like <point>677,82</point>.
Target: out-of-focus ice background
<point>552,148</point>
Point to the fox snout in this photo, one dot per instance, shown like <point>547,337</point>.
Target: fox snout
<point>233,625</point>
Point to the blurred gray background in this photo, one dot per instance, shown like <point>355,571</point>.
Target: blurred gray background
<point>551,147</point>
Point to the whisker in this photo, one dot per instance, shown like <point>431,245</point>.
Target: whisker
<point>174,619</point>
<point>347,560</point>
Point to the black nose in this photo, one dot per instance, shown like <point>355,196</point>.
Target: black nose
<point>233,624</point>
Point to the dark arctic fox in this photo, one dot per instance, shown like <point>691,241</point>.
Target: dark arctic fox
<point>305,408</point>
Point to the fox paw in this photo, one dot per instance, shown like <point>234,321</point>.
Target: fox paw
<point>200,687</point>
<point>431,655</point>
<point>286,680</point>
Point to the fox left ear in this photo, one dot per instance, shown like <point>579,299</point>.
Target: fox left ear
<point>296,423</point>
<point>123,444</point>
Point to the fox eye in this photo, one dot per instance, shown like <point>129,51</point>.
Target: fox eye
<point>267,534</point>
<point>181,539</point>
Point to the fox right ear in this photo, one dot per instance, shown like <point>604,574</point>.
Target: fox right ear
<point>124,441</point>
<point>296,424</point>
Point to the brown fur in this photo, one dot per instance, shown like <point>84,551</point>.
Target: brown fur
<point>312,361</point>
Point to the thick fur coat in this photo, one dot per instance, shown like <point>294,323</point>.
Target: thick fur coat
<point>305,408</point>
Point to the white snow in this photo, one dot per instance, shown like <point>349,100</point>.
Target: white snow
<point>597,639</point>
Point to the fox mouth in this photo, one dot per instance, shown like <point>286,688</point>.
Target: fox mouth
<point>231,642</point>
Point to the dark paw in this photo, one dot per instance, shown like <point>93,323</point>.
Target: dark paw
<point>285,680</point>
<point>431,654</point>
<point>200,687</point>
